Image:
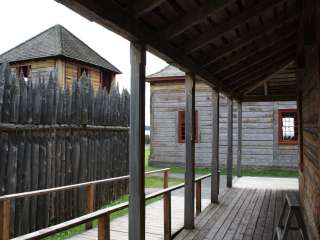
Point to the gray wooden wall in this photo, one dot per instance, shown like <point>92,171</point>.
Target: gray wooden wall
<point>260,148</point>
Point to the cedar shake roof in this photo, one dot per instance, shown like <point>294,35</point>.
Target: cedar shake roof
<point>54,42</point>
<point>167,72</point>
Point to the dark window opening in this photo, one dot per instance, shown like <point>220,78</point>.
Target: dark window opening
<point>288,126</point>
<point>181,127</point>
<point>106,80</point>
<point>25,71</point>
<point>82,70</point>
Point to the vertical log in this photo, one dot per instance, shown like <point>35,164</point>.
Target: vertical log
<point>137,141</point>
<point>198,197</point>
<point>104,228</point>
<point>167,215</point>
<point>215,147</point>
<point>189,151</point>
<point>239,153</point>
<point>230,143</point>
<point>5,220</point>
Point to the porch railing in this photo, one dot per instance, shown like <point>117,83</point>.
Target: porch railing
<point>103,215</point>
<point>5,204</point>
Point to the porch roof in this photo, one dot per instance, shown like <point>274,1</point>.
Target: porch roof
<point>233,45</point>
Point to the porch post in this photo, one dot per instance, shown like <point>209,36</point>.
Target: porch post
<point>189,151</point>
<point>215,147</point>
<point>136,153</point>
<point>239,139</point>
<point>230,143</point>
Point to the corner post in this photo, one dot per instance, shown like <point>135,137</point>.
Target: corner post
<point>189,151</point>
<point>137,141</point>
<point>239,139</point>
<point>230,143</point>
<point>215,148</point>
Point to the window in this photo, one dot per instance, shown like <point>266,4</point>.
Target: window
<point>288,126</point>
<point>106,79</point>
<point>25,71</point>
<point>181,126</point>
<point>81,70</point>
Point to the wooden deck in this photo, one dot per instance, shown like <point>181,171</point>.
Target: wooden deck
<point>248,211</point>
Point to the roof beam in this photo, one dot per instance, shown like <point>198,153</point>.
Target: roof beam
<point>194,17</point>
<point>255,61</point>
<point>142,7</point>
<point>112,16</point>
<point>252,36</point>
<point>265,88</point>
<point>265,74</point>
<point>251,12</point>
<point>267,77</point>
<point>260,45</point>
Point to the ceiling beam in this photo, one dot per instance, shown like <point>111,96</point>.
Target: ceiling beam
<point>265,88</point>
<point>267,73</point>
<point>142,7</point>
<point>262,44</point>
<point>250,12</point>
<point>255,61</point>
<point>250,37</point>
<point>266,78</point>
<point>119,20</point>
<point>194,17</point>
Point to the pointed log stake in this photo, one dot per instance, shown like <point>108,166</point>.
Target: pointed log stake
<point>137,141</point>
<point>189,151</point>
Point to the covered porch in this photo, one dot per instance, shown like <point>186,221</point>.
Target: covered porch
<point>247,50</point>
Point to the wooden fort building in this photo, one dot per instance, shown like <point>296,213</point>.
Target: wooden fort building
<point>58,50</point>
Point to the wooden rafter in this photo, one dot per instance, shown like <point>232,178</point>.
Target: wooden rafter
<point>268,67</point>
<point>251,12</point>
<point>265,87</point>
<point>142,7</point>
<point>251,49</point>
<point>256,34</point>
<point>265,78</point>
<point>255,61</point>
<point>194,17</point>
<point>108,13</point>
<point>265,74</point>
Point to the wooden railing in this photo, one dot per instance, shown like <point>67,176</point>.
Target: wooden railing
<point>5,200</point>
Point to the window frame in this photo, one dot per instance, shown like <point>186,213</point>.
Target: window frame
<point>280,125</point>
<point>180,129</point>
<point>79,67</point>
<point>18,70</point>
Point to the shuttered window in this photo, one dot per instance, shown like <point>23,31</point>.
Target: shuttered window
<point>181,126</point>
<point>288,126</point>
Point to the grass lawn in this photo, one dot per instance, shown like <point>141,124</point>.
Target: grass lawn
<point>244,172</point>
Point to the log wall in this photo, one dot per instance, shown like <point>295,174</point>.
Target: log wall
<point>260,146</point>
<point>51,137</point>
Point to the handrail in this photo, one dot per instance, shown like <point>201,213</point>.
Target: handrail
<point>72,186</point>
<point>103,215</point>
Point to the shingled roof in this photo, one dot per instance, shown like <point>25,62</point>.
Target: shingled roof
<point>56,41</point>
<point>168,71</point>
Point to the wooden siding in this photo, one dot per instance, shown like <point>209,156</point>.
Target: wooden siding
<point>260,146</point>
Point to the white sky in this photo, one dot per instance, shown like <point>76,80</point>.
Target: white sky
<point>21,20</point>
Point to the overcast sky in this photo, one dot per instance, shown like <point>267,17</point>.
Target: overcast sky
<point>21,20</point>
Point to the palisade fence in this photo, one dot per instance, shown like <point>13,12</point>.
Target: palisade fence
<point>51,137</point>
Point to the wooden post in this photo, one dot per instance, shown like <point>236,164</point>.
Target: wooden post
<point>215,148</point>
<point>239,139</point>
<point>137,141</point>
<point>5,220</point>
<point>198,198</point>
<point>230,143</point>
<point>189,151</point>
<point>166,179</point>
<point>167,215</point>
<point>90,190</point>
<point>104,227</point>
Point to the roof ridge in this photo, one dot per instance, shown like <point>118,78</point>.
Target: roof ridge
<point>59,35</point>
